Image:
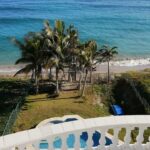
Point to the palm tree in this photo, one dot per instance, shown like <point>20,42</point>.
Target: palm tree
<point>31,49</point>
<point>49,51</point>
<point>93,56</point>
<point>56,43</point>
<point>86,59</point>
<point>108,54</point>
<point>71,53</point>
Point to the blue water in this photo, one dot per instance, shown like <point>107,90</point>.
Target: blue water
<point>123,23</point>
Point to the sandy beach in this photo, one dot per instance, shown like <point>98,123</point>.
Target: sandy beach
<point>125,65</point>
<point>121,69</point>
<point>115,67</point>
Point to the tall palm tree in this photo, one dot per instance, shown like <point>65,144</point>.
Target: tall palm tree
<point>31,49</point>
<point>108,53</point>
<point>71,52</point>
<point>93,56</point>
<point>89,55</point>
<point>86,59</point>
<point>49,51</point>
<point>56,43</point>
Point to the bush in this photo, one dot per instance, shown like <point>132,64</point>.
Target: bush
<point>43,88</point>
<point>11,89</point>
<point>125,96</point>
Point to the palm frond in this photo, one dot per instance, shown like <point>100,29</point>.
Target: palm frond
<point>18,44</point>
<point>25,70</point>
<point>60,26</point>
<point>23,60</point>
<point>48,28</point>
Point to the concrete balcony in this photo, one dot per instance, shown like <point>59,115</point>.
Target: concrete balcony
<point>81,134</point>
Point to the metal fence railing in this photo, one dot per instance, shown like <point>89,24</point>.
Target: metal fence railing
<point>142,99</point>
<point>13,116</point>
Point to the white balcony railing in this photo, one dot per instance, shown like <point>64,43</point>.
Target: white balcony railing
<point>32,139</point>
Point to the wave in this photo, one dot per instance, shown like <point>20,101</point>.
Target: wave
<point>102,6</point>
<point>20,20</point>
<point>13,8</point>
<point>130,62</point>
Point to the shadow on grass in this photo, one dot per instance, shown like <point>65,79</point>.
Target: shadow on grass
<point>44,99</point>
<point>79,101</point>
<point>72,89</point>
<point>71,97</point>
<point>36,100</point>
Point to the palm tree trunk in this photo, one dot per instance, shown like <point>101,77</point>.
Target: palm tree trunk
<point>108,80</point>
<point>69,74</point>
<point>57,82</point>
<point>37,84</point>
<point>75,74</point>
<point>91,74</point>
<point>80,80</point>
<point>32,75</point>
<point>50,73</point>
<point>83,90</point>
<point>46,73</point>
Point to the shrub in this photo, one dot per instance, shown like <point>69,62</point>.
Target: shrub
<point>11,89</point>
<point>125,96</point>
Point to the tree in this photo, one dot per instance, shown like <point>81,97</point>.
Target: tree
<point>56,44</point>
<point>93,56</point>
<point>71,53</point>
<point>86,59</point>
<point>31,49</point>
<point>108,54</point>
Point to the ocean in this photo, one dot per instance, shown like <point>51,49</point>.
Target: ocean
<point>121,23</point>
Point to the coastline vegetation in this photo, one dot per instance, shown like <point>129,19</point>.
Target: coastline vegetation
<point>60,49</point>
<point>67,103</point>
<point>125,96</point>
<point>11,92</point>
<point>48,57</point>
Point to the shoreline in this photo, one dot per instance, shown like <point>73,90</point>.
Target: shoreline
<point>116,66</point>
<point>121,69</point>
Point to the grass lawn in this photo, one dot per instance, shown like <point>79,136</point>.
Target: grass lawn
<point>38,108</point>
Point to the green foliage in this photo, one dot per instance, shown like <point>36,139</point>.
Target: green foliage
<point>104,92</point>
<point>59,47</point>
<point>43,88</point>
<point>101,89</point>
<point>108,53</point>
<point>125,96</point>
<point>11,90</point>
<point>41,107</point>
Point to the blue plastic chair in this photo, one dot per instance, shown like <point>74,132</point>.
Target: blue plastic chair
<point>117,110</point>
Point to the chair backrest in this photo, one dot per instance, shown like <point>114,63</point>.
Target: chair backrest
<point>117,110</point>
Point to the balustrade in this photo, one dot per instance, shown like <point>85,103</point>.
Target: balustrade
<point>85,134</point>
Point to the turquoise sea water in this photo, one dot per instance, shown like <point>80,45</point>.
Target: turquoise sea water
<point>122,23</point>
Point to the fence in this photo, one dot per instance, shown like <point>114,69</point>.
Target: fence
<point>56,136</point>
<point>142,100</point>
<point>99,77</point>
<point>13,116</point>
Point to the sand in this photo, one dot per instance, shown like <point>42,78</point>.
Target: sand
<point>115,67</point>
